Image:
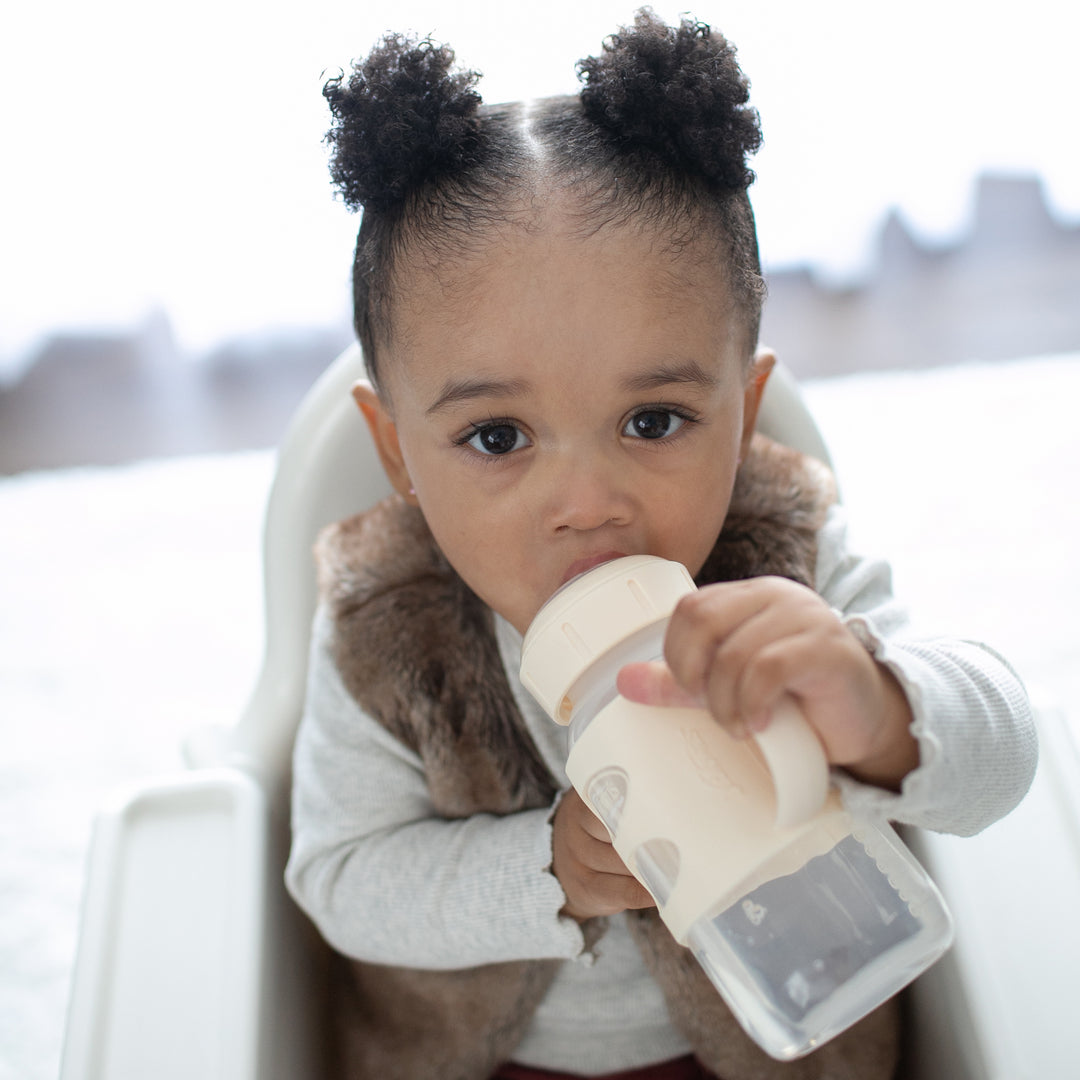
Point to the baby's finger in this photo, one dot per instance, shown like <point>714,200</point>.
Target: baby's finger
<point>702,622</point>
<point>627,893</point>
<point>752,629</point>
<point>601,857</point>
<point>652,683</point>
<point>770,672</point>
<point>734,662</point>
<point>607,894</point>
<point>579,816</point>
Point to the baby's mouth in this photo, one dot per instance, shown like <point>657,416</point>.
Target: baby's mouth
<point>582,566</point>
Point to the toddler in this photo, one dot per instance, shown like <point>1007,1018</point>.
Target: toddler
<point>558,303</point>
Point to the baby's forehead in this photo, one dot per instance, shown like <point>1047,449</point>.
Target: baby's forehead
<point>549,225</point>
<point>545,295</point>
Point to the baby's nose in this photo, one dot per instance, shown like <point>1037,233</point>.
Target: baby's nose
<point>587,495</point>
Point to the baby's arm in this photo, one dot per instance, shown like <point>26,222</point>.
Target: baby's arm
<point>386,880</point>
<point>966,709</point>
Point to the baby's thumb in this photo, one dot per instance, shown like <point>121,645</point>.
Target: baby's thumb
<point>651,683</point>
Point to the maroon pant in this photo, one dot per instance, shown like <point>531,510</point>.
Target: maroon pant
<point>684,1068</point>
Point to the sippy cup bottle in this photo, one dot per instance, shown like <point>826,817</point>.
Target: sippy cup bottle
<point>804,918</point>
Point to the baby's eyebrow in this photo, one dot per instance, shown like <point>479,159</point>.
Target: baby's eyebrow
<point>684,371</point>
<point>458,390</point>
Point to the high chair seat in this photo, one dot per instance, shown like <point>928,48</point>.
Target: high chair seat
<point>193,962</point>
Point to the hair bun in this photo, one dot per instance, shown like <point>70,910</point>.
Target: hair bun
<point>400,119</point>
<point>676,92</point>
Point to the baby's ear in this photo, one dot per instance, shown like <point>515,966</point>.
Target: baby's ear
<point>384,434</point>
<point>756,378</point>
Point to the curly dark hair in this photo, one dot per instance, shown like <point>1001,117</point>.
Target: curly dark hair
<point>658,136</point>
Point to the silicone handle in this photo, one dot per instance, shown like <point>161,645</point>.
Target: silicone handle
<point>797,762</point>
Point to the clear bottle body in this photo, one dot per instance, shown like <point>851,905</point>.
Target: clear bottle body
<point>802,956</point>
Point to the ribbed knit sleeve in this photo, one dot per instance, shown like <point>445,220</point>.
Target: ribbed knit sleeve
<point>386,880</point>
<point>972,719</point>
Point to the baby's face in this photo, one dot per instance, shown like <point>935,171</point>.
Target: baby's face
<point>561,401</point>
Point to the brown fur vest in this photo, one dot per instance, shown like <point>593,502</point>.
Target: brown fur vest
<point>417,650</point>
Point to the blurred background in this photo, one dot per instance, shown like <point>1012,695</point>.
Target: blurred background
<point>174,273</point>
<point>174,266</point>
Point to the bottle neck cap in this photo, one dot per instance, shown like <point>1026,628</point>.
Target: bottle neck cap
<point>592,615</point>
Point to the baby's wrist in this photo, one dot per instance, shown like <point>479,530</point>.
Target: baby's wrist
<point>896,752</point>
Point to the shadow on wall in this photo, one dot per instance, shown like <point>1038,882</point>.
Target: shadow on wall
<point>96,400</point>
<point>1007,290</point>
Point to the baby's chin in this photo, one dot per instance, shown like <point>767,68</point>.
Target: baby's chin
<point>521,625</point>
<point>519,611</point>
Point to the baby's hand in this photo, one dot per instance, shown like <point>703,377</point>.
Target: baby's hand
<point>593,876</point>
<point>738,647</point>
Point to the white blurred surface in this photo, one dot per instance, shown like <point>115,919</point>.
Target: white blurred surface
<point>129,612</point>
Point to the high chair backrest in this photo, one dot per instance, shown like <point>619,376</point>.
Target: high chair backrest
<point>327,469</point>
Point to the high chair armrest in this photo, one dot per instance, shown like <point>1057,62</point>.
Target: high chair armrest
<point>184,928</point>
<point>1002,1004</point>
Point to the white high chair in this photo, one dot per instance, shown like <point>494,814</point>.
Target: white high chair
<point>193,963</point>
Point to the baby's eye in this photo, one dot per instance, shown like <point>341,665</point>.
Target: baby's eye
<point>653,424</point>
<point>494,439</point>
